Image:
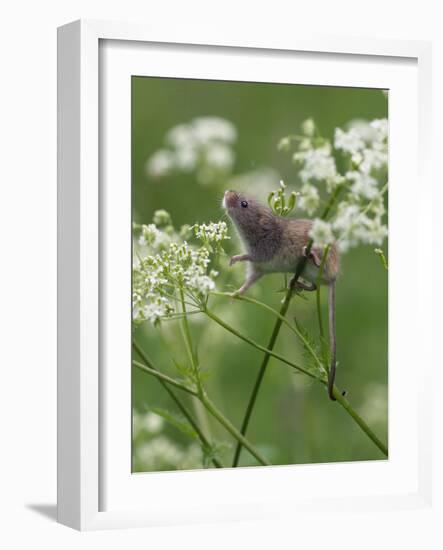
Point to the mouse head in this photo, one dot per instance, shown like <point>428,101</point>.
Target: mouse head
<point>258,227</point>
<point>244,210</point>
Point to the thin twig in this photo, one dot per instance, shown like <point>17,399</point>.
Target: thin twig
<point>291,327</point>
<point>318,297</point>
<point>338,394</point>
<point>164,377</point>
<point>253,343</point>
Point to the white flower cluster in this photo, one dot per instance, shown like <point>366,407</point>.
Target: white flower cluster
<point>364,185</point>
<point>162,218</point>
<point>318,164</point>
<point>352,225</point>
<point>367,143</point>
<point>212,232</point>
<point>309,198</point>
<point>152,237</point>
<point>358,217</point>
<point>148,423</point>
<point>322,233</point>
<point>204,146</point>
<point>165,264</point>
<point>157,277</point>
<point>160,453</point>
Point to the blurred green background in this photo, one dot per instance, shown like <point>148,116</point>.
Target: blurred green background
<point>293,421</point>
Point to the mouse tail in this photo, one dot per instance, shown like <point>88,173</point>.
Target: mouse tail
<point>332,340</point>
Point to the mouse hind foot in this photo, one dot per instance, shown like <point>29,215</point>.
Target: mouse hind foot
<point>302,285</point>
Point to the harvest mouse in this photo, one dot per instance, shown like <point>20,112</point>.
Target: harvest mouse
<point>275,245</point>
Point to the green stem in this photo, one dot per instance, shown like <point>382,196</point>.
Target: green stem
<point>164,377</point>
<point>206,402</point>
<point>261,373</point>
<point>188,341</point>
<point>318,296</point>
<point>319,316</point>
<point>232,430</point>
<point>152,370</point>
<point>173,297</point>
<point>291,327</point>
<point>318,301</point>
<point>210,407</point>
<point>186,332</point>
<point>359,420</point>
<point>253,343</point>
<point>177,316</point>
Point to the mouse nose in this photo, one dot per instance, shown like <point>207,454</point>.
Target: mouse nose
<point>230,198</point>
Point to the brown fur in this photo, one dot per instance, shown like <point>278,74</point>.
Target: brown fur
<point>275,244</point>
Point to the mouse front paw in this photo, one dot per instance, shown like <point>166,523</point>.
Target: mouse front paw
<point>240,258</point>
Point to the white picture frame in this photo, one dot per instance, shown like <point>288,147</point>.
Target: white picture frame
<point>95,487</point>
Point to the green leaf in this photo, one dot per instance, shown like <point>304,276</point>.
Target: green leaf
<point>177,421</point>
<point>186,372</point>
<point>283,201</point>
<point>270,197</point>
<point>310,362</point>
<point>291,202</point>
<point>382,257</point>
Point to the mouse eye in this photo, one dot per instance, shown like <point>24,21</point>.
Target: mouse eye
<point>244,204</point>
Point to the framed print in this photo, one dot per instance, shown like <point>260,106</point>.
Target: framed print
<point>181,263</point>
<point>234,229</point>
